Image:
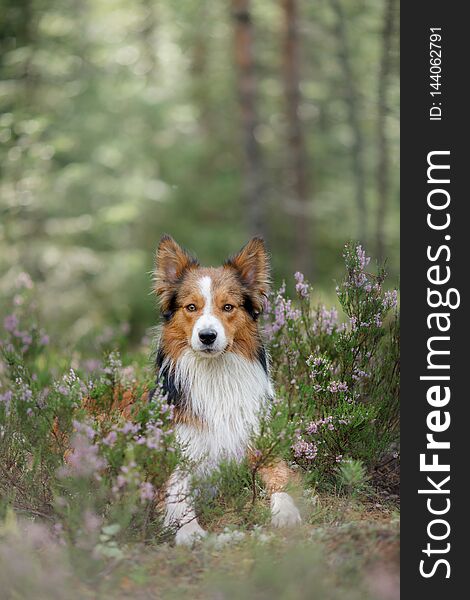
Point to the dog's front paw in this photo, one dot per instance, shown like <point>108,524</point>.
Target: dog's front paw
<point>189,534</point>
<point>283,510</point>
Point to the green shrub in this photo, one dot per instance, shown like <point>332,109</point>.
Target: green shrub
<point>337,380</point>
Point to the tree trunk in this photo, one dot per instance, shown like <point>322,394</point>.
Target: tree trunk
<point>254,191</point>
<point>352,100</point>
<point>201,84</point>
<point>383,163</point>
<point>149,36</point>
<point>297,177</point>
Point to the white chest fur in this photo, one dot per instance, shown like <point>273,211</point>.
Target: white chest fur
<point>227,393</point>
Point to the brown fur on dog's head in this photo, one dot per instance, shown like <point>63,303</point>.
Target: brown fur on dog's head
<point>235,299</point>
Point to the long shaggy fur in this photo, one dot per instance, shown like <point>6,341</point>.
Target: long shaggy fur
<point>214,369</point>
<point>226,396</point>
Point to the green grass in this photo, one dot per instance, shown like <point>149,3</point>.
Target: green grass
<point>344,549</point>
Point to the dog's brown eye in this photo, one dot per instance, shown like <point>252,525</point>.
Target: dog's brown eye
<point>191,307</point>
<point>228,307</point>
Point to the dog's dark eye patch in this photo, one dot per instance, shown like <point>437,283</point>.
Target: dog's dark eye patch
<point>249,306</point>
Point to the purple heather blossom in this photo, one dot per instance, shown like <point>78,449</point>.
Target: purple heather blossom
<point>312,428</point>
<point>129,427</point>
<point>325,320</point>
<point>283,311</point>
<point>44,340</point>
<point>154,435</point>
<point>147,491</point>
<point>317,361</point>
<point>337,386</point>
<point>6,399</point>
<point>128,476</point>
<point>359,374</point>
<point>24,391</point>
<point>304,449</point>
<point>84,429</point>
<point>302,287</point>
<point>110,439</point>
<point>84,460</point>
<point>41,400</point>
<point>390,299</point>
<point>362,258</point>
<point>92,365</point>
<point>92,522</point>
<point>10,323</point>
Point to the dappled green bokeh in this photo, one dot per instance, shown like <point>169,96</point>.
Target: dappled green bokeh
<point>120,121</point>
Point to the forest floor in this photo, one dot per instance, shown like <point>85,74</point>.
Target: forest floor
<point>346,550</point>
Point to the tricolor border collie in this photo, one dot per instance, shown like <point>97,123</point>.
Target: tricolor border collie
<point>215,371</point>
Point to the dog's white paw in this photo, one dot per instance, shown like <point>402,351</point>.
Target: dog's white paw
<point>189,533</point>
<point>283,510</point>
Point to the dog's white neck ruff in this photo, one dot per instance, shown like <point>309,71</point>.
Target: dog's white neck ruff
<point>227,393</point>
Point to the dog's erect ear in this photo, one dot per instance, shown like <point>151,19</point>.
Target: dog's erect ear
<point>252,264</point>
<point>171,262</point>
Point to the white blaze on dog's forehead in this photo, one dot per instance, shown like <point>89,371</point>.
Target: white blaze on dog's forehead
<point>205,285</point>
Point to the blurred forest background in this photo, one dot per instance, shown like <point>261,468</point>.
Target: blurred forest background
<point>212,121</point>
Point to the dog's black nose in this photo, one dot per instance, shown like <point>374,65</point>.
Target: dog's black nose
<point>207,336</point>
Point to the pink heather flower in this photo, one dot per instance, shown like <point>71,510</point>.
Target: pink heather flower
<point>84,461</point>
<point>58,529</point>
<point>92,522</point>
<point>92,365</point>
<point>325,321</point>
<point>283,311</point>
<point>128,476</point>
<point>359,374</point>
<point>129,427</point>
<point>121,481</point>
<point>10,323</point>
<point>312,428</point>
<point>390,299</point>
<point>44,340</point>
<point>84,429</point>
<point>337,386</point>
<point>363,260</point>
<point>147,491</point>
<point>302,288</point>
<point>305,450</point>
<point>316,361</point>
<point>154,435</point>
<point>110,439</point>
<point>339,458</point>
<point>6,398</point>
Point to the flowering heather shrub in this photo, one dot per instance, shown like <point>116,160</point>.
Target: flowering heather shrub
<point>337,380</point>
<point>81,446</point>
